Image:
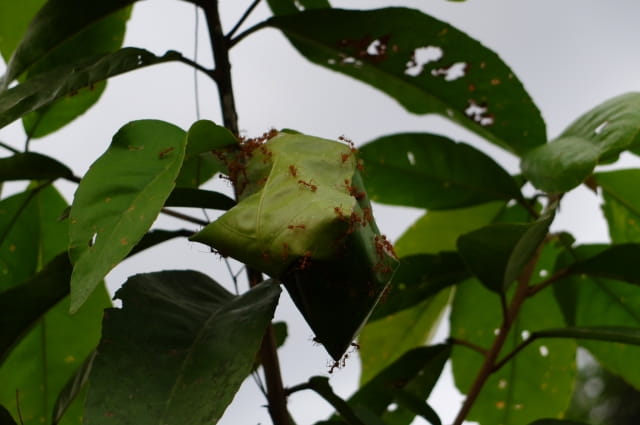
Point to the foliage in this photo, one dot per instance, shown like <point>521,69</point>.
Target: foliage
<point>523,299</point>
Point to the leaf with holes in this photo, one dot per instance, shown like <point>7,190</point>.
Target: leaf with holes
<point>68,79</point>
<point>119,198</point>
<point>438,69</point>
<point>180,346</point>
<point>621,205</point>
<point>304,217</point>
<point>538,382</point>
<point>589,301</point>
<point>200,163</point>
<point>498,253</point>
<point>598,136</point>
<point>430,171</point>
<point>32,166</point>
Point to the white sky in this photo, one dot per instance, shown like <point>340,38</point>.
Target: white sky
<point>570,55</point>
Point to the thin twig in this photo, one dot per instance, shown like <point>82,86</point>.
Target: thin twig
<point>184,217</point>
<point>9,148</point>
<point>560,274</point>
<point>242,19</point>
<point>195,59</point>
<point>211,73</point>
<point>513,353</point>
<point>248,32</point>
<point>468,344</point>
<point>18,407</point>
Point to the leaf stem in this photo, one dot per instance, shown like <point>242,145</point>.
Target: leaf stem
<point>9,148</point>
<point>184,217</point>
<point>468,344</point>
<point>248,32</point>
<point>242,19</point>
<point>551,279</point>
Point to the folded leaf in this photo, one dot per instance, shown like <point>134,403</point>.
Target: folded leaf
<point>186,367</point>
<point>430,171</point>
<point>119,198</point>
<point>427,65</point>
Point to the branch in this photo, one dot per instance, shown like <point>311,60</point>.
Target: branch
<point>248,32</point>
<point>184,217</point>
<point>242,19</point>
<point>551,279</point>
<point>468,344</point>
<point>9,148</point>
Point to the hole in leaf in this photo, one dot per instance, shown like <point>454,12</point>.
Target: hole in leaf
<point>411,158</point>
<point>479,113</point>
<point>451,72</point>
<point>593,387</point>
<point>502,384</point>
<point>544,273</point>
<point>420,57</point>
<point>298,5</point>
<point>544,351</point>
<point>496,331</point>
<point>525,334</point>
<point>392,407</point>
<point>364,49</point>
<point>601,127</point>
<point>92,241</point>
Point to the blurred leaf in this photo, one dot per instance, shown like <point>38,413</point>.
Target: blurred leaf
<point>23,305</point>
<point>198,198</point>
<point>200,164</point>
<point>556,422</point>
<point>537,382</point>
<point>618,262</point>
<point>304,217</point>
<point>320,384</point>
<point>5,417</point>
<point>599,135</point>
<point>181,346</point>
<point>383,341</point>
<point>591,301</point>
<point>621,205</point>
<point>415,373</point>
<point>436,70</point>
<point>417,406</point>
<point>430,171</point>
<point>101,37</point>
<point>14,20</point>
<point>498,253</point>
<point>419,277</point>
<point>119,198</point>
<point>32,166</point>
<point>439,230</point>
<point>72,389</point>
<point>70,78</point>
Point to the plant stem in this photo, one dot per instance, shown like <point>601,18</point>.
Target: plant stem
<point>268,351</point>
<point>488,366</point>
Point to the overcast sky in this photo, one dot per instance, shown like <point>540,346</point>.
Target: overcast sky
<point>570,55</point>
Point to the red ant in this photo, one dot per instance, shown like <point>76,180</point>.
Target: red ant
<point>353,191</point>
<point>305,262</point>
<point>293,170</point>
<point>165,152</point>
<point>296,226</point>
<point>285,251</point>
<point>311,186</point>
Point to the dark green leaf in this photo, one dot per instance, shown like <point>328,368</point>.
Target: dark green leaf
<point>157,236</point>
<point>537,382</point>
<point>620,334</point>
<point>498,253</point>
<point>200,164</point>
<point>23,305</point>
<point>119,198</point>
<point>419,277</point>
<point>556,422</point>
<point>415,373</point>
<point>427,65</point>
<point>32,166</point>
<point>430,171</point>
<point>68,79</point>
<point>287,7</point>
<point>621,205</point>
<point>598,136</point>
<point>72,389</point>
<point>320,384</point>
<point>618,262</point>
<point>14,20</point>
<point>5,417</point>
<point>177,351</point>
<point>198,198</point>
<point>417,406</point>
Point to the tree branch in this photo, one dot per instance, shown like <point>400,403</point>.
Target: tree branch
<point>242,18</point>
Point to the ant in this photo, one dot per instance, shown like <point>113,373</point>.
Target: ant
<point>293,170</point>
<point>296,226</point>
<point>305,262</point>
<point>311,186</point>
<point>165,152</point>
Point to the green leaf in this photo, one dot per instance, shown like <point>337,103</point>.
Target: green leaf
<point>119,198</point>
<point>439,230</point>
<point>67,80</point>
<point>618,262</point>
<point>556,422</point>
<point>537,382</point>
<point>430,171</point>
<point>621,205</point>
<point>198,198</point>
<point>32,166</point>
<point>417,406</point>
<point>287,7</point>
<point>498,253</point>
<point>72,389</point>
<point>304,218</point>
<point>177,351</point>
<point>591,301</point>
<point>383,341</point>
<point>621,334</point>
<point>23,305</point>
<point>320,384</point>
<point>200,164</point>
<point>5,417</point>
<point>40,366</point>
<point>598,136</point>
<point>14,20</point>
<point>101,37</point>
<point>438,70</point>
<point>157,236</point>
<point>415,374</point>
<point>419,277</point>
